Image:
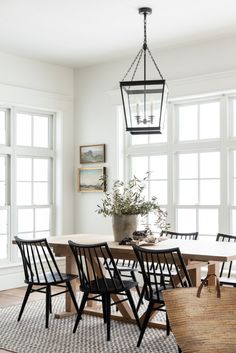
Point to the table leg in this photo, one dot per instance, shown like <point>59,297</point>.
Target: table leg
<point>213,268</point>
<point>72,269</point>
<point>195,275</point>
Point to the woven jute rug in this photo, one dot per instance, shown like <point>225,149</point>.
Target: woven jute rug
<point>30,336</point>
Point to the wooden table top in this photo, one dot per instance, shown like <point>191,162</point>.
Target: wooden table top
<point>197,250</point>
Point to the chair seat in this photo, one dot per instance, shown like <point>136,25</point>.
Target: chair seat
<point>156,298</point>
<point>111,286</point>
<point>56,279</point>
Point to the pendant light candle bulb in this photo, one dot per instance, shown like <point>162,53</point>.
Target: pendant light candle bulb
<point>151,109</point>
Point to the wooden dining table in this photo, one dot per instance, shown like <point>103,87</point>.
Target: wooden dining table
<point>197,253</point>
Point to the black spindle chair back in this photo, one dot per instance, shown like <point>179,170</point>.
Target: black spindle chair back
<point>179,235</point>
<point>38,261</point>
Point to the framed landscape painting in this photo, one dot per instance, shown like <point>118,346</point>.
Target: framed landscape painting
<point>92,154</point>
<point>91,179</point>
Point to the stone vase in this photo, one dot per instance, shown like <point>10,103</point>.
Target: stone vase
<point>124,226</point>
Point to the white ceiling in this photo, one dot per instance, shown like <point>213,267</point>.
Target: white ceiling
<point>84,32</point>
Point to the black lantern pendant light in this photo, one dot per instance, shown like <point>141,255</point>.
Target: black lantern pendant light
<point>144,101</point>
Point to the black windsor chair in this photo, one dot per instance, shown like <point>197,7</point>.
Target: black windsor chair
<point>98,279</point>
<point>226,277</point>
<point>151,263</point>
<point>165,273</point>
<point>41,269</point>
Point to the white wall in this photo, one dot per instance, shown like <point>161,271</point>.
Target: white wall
<point>34,84</point>
<point>189,70</point>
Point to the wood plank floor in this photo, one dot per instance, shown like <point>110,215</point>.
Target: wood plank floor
<point>14,297</point>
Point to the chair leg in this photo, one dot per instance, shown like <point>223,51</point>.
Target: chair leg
<point>141,297</point>
<point>145,322</point>
<point>48,303</point>
<point>68,284</point>
<point>135,280</point>
<point>131,301</point>
<point>27,293</point>
<point>167,325</point>
<point>81,309</point>
<point>108,315</point>
<point>104,309</point>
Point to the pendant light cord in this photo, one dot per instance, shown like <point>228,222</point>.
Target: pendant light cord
<point>142,52</point>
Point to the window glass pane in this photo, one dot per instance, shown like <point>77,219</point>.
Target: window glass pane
<point>234,163</point>
<point>186,220</point>
<point>188,122</point>
<point>42,220</point>
<point>159,189</point>
<point>40,193</point>
<point>139,166</point>
<point>24,169</point>
<point>208,221</point>
<point>2,127</point>
<point>188,192</point>
<point>234,199</point>
<point>41,131</point>
<point>2,193</point>
<point>188,166</point>
<point>160,138</point>
<point>209,120</point>
<point>234,116</point>
<point>2,181</point>
<point>210,165</point>
<point>26,236</point>
<point>41,169</point>
<point>2,169</point>
<point>234,221</point>
<point>3,246</point>
<point>210,192</point>
<point>158,167</point>
<point>152,219</point>
<point>3,222</point>
<point>23,129</point>
<point>24,193</point>
<point>25,220</point>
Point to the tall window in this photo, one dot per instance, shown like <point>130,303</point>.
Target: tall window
<point>26,177</point>
<point>193,166</point>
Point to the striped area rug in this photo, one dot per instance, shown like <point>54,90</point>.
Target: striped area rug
<point>30,335</point>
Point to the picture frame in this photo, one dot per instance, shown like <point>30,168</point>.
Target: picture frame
<point>91,179</point>
<point>92,154</point>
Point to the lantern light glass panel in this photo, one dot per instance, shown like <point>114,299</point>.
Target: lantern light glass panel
<point>144,105</point>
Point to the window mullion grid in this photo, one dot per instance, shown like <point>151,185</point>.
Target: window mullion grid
<point>13,186</point>
<point>226,172</point>
<point>198,122</point>
<point>32,130</point>
<point>32,194</point>
<point>199,179</point>
<point>172,121</point>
